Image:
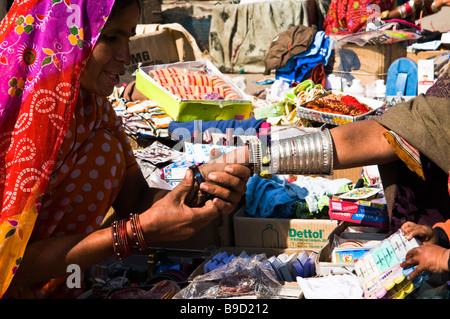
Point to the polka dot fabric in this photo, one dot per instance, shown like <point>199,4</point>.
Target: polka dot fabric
<point>92,164</point>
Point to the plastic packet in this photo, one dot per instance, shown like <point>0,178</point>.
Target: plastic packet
<point>378,37</point>
<point>242,277</point>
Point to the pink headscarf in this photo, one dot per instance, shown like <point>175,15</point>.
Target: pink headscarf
<point>44,48</point>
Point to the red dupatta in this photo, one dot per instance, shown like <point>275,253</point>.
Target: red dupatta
<point>44,48</point>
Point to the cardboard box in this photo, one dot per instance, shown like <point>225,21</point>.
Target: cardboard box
<point>423,55</point>
<point>324,264</point>
<point>367,63</point>
<point>183,110</point>
<point>145,50</point>
<point>281,233</point>
<point>353,174</point>
<point>370,213</point>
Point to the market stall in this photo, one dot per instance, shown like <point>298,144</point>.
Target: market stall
<point>293,236</point>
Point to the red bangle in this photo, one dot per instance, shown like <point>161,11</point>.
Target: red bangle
<point>120,239</point>
<point>409,8</point>
<point>137,232</point>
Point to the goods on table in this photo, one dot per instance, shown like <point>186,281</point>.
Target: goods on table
<point>339,104</point>
<point>286,108</point>
<point>193,85</point>
<point>304,92</point>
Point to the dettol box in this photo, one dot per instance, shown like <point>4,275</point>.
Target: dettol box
<point>281,233</point>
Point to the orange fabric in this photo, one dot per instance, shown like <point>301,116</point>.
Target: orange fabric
<point>408,154</point>
<point>445,226</point>
<point>92,164</point>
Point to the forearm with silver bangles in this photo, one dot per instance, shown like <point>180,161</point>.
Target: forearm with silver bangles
<point>305,154</point>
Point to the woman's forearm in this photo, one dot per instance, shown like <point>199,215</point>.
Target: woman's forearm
<point>49,258</point>
<point>361,143</point>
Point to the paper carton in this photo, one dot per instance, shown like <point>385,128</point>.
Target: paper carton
<point>143,52</point>
<point>324,261</point>
<point>281,233</point>
<point>425,75</point>
<point>176,170</point>
<point>367,63</point>
<point>370,213</point>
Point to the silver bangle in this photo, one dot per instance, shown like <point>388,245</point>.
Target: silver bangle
<point>304,154</point>
<point>255,154</point>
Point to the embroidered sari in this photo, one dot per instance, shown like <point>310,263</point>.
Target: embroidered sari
<point>44,48</point>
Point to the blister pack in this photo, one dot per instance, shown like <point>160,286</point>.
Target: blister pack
<point>379,269</point>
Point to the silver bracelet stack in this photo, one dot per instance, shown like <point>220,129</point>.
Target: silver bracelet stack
<point>304,154</point>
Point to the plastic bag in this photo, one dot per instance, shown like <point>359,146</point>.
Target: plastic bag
<point>242,277</point>
<point>378,37</point>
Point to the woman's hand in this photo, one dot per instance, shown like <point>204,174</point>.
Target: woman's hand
<point>171,219</point>
<point>226,178</point>
<point>431,258</point>
<point>227,183</point>
<point>422,232</point>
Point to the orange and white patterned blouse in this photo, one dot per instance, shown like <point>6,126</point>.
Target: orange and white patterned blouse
<point>92,164</point>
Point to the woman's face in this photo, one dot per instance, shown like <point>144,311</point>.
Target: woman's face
<point>111,53</point>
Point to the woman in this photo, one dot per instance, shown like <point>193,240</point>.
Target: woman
<point>65,159</point>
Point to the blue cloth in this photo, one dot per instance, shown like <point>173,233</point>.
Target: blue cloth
<point>272,198</point>
<point>298,67</point>
<point>243,127</point>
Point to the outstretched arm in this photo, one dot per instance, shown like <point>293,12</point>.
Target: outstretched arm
<point>361,143</point>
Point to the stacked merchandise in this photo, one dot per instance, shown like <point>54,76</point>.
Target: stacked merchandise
<point>142,119</point>
<point>226,275</point>
<point>193,85</point>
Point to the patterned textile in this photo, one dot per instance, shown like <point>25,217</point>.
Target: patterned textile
<point>420,191</point>
<point>408,154</point>
<point>351,16</point>
<point>92,163</point>
<point>44,47</point>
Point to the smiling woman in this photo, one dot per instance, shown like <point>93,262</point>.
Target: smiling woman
<point>111,53</point>
<point>65,159</point>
